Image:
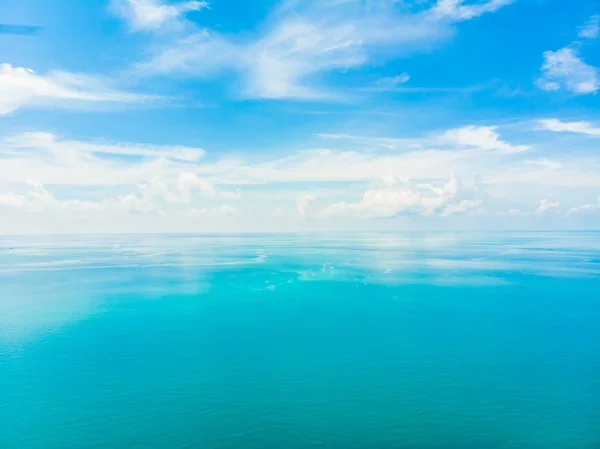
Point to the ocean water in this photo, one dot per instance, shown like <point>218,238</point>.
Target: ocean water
<point>421,341</point>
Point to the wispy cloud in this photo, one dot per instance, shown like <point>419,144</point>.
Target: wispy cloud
<point>388,83</point>
<point>591,29</point>
<point>482,137</point>
<point>585,208</point>
<point>145,15</point>
<point>21,87</point>
<point>581,127</point>
<point>455,9</point>
<point>46,157</point>
<point>303,41</point>
<point>545,163</point>
<point>565,70</point>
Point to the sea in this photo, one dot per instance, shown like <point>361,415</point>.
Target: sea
<point>289,341</point>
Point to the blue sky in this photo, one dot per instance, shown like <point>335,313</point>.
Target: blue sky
<point>167,116</point>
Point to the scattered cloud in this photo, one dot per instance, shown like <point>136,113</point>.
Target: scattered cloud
<point>12,199</point>
<point>54,160</point>
<point>136,204</point>
<point>165,180</point>
<point>305,40</point>
<point>389,83</point>
<point>455,9</point>
<point>482,137</point>
<point>399,196</point>
<point>545,163</point>
<point>38,199</point>
<point>303,205</point>
<point>569,127</point>
<point>21,87</point>
<point>591,29</point>
<point>585,208</point>
<point>565,70</point>
<point>223,211</point>
<point>514,212</point>
<point>158,192</point>
<point>545,206</point>
<point>232,194</point>
<point>144,15</point>
<point>461,207</point>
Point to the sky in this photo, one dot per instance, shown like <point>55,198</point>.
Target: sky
<point>295,115</point>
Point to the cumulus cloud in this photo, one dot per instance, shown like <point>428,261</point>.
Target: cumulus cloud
<point>482,137</point>
<point>399,196</point>
<point>545,206</point>
<point>303,205</point>
<point>153,196</point>
<point>12,199</point>
<point>144,15</point>
<point>20,87</point>
<point>159,191</point>
<point>38,199</point>
<point>565,70</point>
<point>136,204</point>
<point>164,180</point>
<point>581,127</point>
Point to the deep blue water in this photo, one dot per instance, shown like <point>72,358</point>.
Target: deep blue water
<point>417,341</point>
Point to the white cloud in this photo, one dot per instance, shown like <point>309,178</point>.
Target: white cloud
<point>127,180</point>
<point>455,9</point>
<point>591,29</point>
<point>514,212</point>
<point>184,189</point>
<point>224,210</point>
<point>585,208</point>
<point>482,137</point>
<point>303,205</point>
<point>20,87</point>
<point>187,184</point>
<point>12,199</point>
<point>571,127</point>
<point>136,204</point>
<point>53,160</point>
<point>461,207</point>
<point>545,206</point>
<point>399,196</point>
<point>38,199</point>
<point>153,196</point>
<point>388,83</point>
<point>143,15</point>
<point>545,163</point>
<point>231,194</point>
<point>564,69</point>
<point>304,40</point>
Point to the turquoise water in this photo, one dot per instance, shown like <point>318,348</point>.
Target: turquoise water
<point>416,341</point>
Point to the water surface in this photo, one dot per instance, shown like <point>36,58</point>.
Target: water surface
<point>298,341</point>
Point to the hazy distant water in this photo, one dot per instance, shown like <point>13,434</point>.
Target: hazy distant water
<point>325,341</point>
